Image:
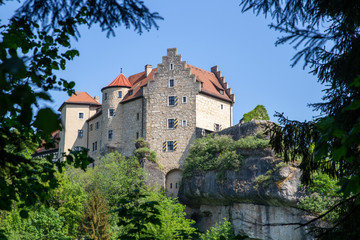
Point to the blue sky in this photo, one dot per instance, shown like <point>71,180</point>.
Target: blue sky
<point>206,33</point>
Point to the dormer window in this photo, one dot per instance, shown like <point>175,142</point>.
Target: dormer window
<point>131,92</point>
<point>221,92</point>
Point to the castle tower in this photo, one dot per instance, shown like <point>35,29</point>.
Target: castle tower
<point>74,113</point>
<point>111,125</point>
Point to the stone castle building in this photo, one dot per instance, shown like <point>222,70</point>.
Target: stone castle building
<point>169,106</point>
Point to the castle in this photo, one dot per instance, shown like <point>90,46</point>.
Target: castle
<point>169,106</point>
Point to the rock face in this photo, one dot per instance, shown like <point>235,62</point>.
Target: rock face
<point>259,199</point>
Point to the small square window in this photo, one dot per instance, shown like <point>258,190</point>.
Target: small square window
<point>105,96</point>
<point>184,99</point>
<point>80,133</point>
<point>171,123</point>
<point>172,100</point>
<point>81,115</point>
<point>91,127</point>
<point>119,94</point>
<point>111,112</point>
<point>110,134</point>
<point>171,83</point>
<point>97,125</point>
<point>184,123</point>
<point>221,92</point>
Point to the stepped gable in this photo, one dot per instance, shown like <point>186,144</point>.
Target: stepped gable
<point>119,81</point>
<point>81,98</point>
<point>210,83</point>
<point>138,81</point>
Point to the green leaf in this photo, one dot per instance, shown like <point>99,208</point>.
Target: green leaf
<point>24,214</point>
<point>47,121</point>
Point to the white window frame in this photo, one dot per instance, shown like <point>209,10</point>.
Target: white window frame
<point>184,121</point>
<point>170,82</point>
<point>83,115</point>
<point>167,123</point>
<point>168,101</point>
<point>109,112</point>
<point>182,99</point>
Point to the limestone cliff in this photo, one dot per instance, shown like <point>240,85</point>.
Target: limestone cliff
<point>259,199</point>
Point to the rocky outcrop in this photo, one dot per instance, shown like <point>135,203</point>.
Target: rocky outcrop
<point>259,199</point>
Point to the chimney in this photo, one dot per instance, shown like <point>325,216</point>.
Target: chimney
<point>97,98</point>
<point>148,69</point>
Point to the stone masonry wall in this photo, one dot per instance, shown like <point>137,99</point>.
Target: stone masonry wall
<point>95,135</point>
<point>131,125</point>
<point>210,111</point>
<point>158,111</point>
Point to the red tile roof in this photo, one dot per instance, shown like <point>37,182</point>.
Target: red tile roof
<point>210,84</point>
<point>119,81</point>
<point>138,81</point>
<point>55,137</point>
<point>81,98</point>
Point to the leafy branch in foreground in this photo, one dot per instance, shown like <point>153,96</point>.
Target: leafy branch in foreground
<point>33,46</point>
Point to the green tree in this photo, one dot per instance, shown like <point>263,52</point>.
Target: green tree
<point>174,224</point>
<point>33,46</point>
<point>327,31</point>
<point>258,113</point>
<point>96,223</point>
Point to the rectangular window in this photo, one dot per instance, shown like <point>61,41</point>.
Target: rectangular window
<point>171,83</point>
<point>137,116</point>
<point>119,94</point>
<point>80,133</point>
<point>94,146</point>
<point>91,127</point>
<point>171,123</point>
<point>105,96</point>
<point>137,135</point>
<point>110,134</point>
<point>170,146</point>
<point>222,106</point>
<point>172,101</point>
<point>111,112</point>
<point>184,123</point>
<point>97,125</point>
<point>217,127</point>
<point>184,100</point>
<point>171,66</point>
<point>81,115</point>
<point>131,92</point>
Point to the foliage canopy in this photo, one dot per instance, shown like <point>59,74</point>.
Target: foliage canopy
<point>328,35</point>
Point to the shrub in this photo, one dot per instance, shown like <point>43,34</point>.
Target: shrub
<point>147,153</point>
<point>251,142</point>
<point>259,113</point>
<point>212,153</point>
